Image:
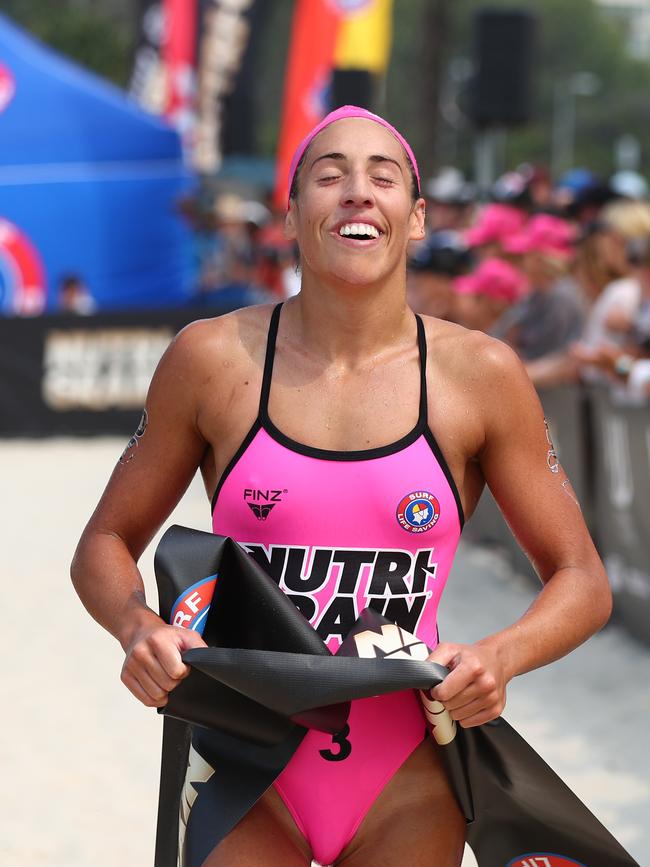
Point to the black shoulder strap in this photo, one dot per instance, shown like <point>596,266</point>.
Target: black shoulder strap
<point>422,346</point>
<point>268,360</point>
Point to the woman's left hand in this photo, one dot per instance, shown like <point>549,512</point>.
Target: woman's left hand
<point>475,690</point>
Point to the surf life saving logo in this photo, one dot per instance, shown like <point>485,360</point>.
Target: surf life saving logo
<point>543,859</point>
<point>418,512</point>
<point>190,611</point>
<point>7,86</point>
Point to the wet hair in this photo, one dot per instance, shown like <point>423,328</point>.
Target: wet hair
<point>293,192</point>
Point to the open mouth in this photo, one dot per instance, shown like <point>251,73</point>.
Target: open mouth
<point>359,231</point>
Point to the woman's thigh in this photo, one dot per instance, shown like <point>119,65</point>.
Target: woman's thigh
<point>266,837</point>
<point>415,820</point>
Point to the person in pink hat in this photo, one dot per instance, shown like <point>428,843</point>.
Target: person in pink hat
<point>495,223</point>
<point>543,234</point>
<point>551,316</point>
<point>375,432</point>
<point>481,298</point>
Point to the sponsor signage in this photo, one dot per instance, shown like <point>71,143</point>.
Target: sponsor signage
<point>82,375</point>
<point>100,369</point>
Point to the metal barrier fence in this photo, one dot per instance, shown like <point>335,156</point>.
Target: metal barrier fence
<point>604,447</point>
<point>75,375</point>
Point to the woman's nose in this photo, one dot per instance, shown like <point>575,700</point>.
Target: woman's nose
<point>357,190</point>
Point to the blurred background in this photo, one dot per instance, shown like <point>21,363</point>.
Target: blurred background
<point>144,146</point>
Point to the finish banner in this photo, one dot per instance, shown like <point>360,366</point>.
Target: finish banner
<point>266,678</point>
<point>326,35</point>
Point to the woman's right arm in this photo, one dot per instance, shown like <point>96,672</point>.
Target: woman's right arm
<point>148,481</point>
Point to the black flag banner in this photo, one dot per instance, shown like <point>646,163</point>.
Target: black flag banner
<point>266,677</point>
<point>227,33</point>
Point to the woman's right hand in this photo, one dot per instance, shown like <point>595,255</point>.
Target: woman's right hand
<point>153,666</point>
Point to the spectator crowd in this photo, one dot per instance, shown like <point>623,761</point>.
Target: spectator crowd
<point>560,272</point>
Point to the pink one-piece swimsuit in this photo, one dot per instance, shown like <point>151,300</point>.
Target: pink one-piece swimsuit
<point>339,532</point>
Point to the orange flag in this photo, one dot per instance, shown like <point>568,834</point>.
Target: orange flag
<point>326,34</point>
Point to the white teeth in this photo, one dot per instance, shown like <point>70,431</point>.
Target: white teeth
<point>359,229</point>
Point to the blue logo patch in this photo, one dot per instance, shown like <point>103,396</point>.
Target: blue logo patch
<point>418,512</point>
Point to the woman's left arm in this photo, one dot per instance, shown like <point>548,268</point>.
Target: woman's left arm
<point>523,472</point>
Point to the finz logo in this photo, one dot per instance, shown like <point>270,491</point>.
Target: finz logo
<point>7,86</point>
<point>418,512</point>
<point>262,502</point>
<point>543,859</point>
<point>190,610</point>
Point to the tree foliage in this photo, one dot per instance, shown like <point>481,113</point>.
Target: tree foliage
<point>571,37</point>
<point>98,35</point>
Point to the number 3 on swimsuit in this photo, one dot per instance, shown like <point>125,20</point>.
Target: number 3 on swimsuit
<point>342,742</point>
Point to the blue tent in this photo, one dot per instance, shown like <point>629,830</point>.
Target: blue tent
<point>89,184</point>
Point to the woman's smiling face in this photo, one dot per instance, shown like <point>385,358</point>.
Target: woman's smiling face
<point>354,213</point>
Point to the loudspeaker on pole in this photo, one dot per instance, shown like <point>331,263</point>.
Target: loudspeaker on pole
<point>501,92</point>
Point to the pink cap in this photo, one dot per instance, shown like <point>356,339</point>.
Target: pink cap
<point>343,113</point>
<point>543,234</point>
<point>495,224</point>
<point>496,279</point>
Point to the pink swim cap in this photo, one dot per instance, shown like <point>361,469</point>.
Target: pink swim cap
<point>347,111</point>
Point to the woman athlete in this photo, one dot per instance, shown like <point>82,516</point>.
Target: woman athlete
<point>343,441</point>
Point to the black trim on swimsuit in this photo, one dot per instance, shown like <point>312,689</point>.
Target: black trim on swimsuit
<point>347,455</point>
<point>269,359</point>
<point>248,439</point>
<point>263,421</point>
<point>424,415</point>
<point>264,397</point>
<point>444,466</point>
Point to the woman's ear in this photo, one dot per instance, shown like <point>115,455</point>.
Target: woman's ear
<point>417,221</point>
<point>290,222</point>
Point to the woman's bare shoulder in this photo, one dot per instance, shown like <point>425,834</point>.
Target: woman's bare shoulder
<point>468,353</point>
<point>233,336</point>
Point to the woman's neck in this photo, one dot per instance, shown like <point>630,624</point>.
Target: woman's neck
<point>350,323</point>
